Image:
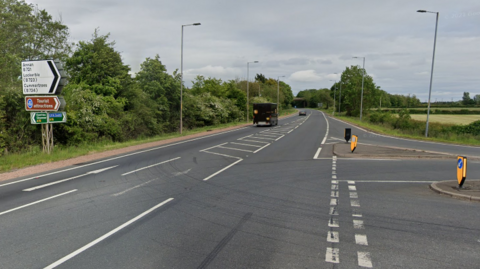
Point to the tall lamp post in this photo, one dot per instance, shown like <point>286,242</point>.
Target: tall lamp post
<point>340,97</point>
<point>334,96</point>
<point>361,98</point>
<point>248,104</point>
<point>181,75</point>
<point>431,73</point>
<point>278,94</point>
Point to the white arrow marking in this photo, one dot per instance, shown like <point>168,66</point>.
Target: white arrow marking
<point>67,179</point>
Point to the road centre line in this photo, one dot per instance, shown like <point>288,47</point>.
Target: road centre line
<point>257,146</point>
<point>100,239</point>
<point>68,179</point>
<point>245,150</point>
<point>119,157</point>
<point>132,188</point>
<point>37,202</point>
<point>150,166</point>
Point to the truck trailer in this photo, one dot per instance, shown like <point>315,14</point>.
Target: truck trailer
<point>265,114</point>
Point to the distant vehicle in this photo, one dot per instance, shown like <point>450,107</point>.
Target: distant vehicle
<point>265,114</point>
<point>302,113</point>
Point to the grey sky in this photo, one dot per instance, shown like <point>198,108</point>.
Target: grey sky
<point>305,40</point>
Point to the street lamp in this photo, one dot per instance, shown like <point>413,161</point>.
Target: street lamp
<point>247,85</point>
<point>278,94</point>
<point>361,98</point>
<point>431,73</point>
<point>334,96</point>
<point>340,97</point>
<point>181,76</point>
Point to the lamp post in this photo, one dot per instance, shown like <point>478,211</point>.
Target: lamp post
<point>340,97</point>
<point>334,96</point>
<point>278,94</point>
<point>361,98</point>
<point>181,75</point>
<point>247,85</point>
<point>431,73</point>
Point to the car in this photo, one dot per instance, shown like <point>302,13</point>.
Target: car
<point>302,113</point>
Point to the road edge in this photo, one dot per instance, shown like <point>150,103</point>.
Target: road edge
<point>435,188</point>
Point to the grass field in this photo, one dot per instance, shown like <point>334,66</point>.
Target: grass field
<point>447,119</point>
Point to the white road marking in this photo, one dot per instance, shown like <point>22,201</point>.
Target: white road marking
<point>274,136</point>
<point>328,128</point>
<point>150,166</point>
<point>358,224</point>
<point>119,157</point>
<point>245,150</point>
<point>213,147</point>
<point>225,155</point>
<point>100,239</point>
<point>279,138</point>
<point>132,188</point>
<point>334,201</point>
<point>394,181</point>
<point>317,153</point>
<point>354,195</point>
<point>334,168</point>
<point>355,203</point>
<point>364,259</point>
<point>257,146</point>
<point>264,138</point>
<point>334,177</point>
<point>333,223</point>
<point>334,187</point>
<point>37,202</point>
<point>334,181</point>
<point>218,172</point>
<point>332,255</point>
<point>261,148</point>
<point>334,172</point>
<point>333,237</point>
<point>263,142</point>
<point>334,194</point>
<point>352,188</point>
<point>351,182</point>
<point>176,174</point>
<point>369,159</point>
<point>357,215</point>
<point>333,211</point>
<point>68,179</point>
<point>361,239</point>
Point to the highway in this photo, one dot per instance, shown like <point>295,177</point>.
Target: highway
<point>254,197</point>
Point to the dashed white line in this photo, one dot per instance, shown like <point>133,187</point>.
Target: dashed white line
<point>358,224</point>
<point>334,177</point>
<point>351,182</point>
<point>334,194</point>
<point>352,188</point>
<point>333,201</point>
<point>355,203</point>
<point>332,255</point>
<point>364,259</point>
<point>37,202</point>
<point>333,237</point>
<point>356,215</point>
<point>361,239</point>
<point>334,181</point>
<point>135,187</point>
<point>354,195</point>
<point>333,223</point>
<point>334,187</point>
<point>333,211</point>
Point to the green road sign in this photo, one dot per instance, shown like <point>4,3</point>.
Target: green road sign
<point>48,117</point>
<point>38,117</point>
<point>57,117</point>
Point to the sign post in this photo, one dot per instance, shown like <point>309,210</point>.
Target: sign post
<point>461,170</point>
<point>347,134</point>
<point>353,144</point>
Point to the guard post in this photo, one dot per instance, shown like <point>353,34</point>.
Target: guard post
<point>353,143</point>
<point>461,170</point>
<point>347,134</point>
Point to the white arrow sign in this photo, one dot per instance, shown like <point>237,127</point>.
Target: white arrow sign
<point>40,77</point>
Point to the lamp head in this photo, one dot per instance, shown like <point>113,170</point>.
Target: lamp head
<point>421,11</point>
<point>197,23</point>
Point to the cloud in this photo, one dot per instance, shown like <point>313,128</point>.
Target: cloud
<point>388,65</point>
<point>305,76</point>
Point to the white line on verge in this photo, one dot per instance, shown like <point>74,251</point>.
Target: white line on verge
<point>119,157</point>
<point>100,239</point>
<point>150,166</point>
<point>37,202</point>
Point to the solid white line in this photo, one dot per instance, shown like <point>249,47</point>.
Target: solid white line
<point>213,147</point>
<point>355,203</point>
<point>150,166</point>
<point>333,237</point>
<point>221,170</point>
<point>318,153</point>
<point>279,138</point>
<point>351,182</point>
<point>132,188</point>
<point>100,239</point>
<point>352,188</point>
<point>67,179</point>
<point>361,239</point>
<point>354,195</point>
<point>256,141</point>
<point>328,128</point>
<point>333,223</point>
<point>358,224</point>
<point>245,150</point>
<point>393,181</point>
<point>332,255</point>
<point>119,157</point>
<point>261,148</point>
<point>364,259</point>
<point>257,146</point>
<point>360,159</point>
<point>37,202</point>
<point>334,194</point>
<point>333,201</point>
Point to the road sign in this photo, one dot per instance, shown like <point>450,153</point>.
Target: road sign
<point>44,103</point>
<point>38,117</point>
<point>353,143</point>
<point>461,170</point>
<point>43,77</point>
<point>347,134</point>
<point>57,117</point>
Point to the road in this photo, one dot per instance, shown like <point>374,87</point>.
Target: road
<point>255,197</point>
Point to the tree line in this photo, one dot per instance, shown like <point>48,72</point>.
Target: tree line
<point>104,101</point>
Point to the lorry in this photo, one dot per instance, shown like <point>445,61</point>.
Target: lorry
<point>265,114</point>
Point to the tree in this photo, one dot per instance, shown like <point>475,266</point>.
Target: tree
<point>260,78</point>
<point>466,100</point>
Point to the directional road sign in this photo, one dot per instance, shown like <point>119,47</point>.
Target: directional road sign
<point>57,117</point>
<point>44,103</point>
<point>43,77</point>
<point>38,117</point>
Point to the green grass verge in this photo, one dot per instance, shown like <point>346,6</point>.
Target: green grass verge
<point>35,156</point>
